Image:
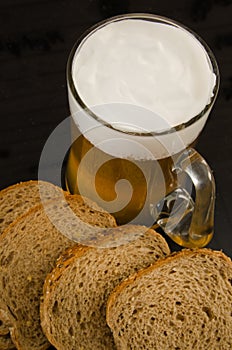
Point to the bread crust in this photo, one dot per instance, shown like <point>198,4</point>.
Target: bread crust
<point>175,255</point>
<point>6,343</point>
<point>12,328</point>
<point>19,184</point>
<point>28,183</point>
<point>65,261</point>
<point>20,208</point>
<point>7,317</point>
<point>38,207</point>
<point>120,292</point>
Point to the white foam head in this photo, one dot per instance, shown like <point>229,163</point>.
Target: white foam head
<point>160,68</point>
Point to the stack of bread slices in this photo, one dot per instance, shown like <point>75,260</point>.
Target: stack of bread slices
<point>72,279</point>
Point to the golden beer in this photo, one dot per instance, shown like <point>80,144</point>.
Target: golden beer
<point>104,179</point>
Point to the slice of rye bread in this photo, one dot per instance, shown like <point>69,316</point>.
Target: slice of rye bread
<point>16,199</point>
<point>29,248</point>
<point>183,302</point>
<point>76,291</point>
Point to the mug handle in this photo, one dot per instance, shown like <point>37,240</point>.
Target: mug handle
<point>186,221</point>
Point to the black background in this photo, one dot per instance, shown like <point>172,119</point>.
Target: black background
<point>36,37</point>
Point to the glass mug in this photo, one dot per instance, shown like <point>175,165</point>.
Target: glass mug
<point>131,159</point>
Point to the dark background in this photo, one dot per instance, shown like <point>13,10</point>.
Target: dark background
<point>36,37</point>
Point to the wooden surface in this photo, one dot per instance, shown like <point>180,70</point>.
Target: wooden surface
<point>36,37</point>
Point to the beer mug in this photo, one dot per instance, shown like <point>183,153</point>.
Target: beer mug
<point>140,90</point>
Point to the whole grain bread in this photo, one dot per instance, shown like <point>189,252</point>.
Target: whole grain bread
<point>29,248</point>
<point>76,291</point>
<point>183,302</point>
<point>16,199</point>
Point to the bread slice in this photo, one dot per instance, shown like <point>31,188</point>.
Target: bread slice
<point>29,248</point>
<point>16,199</point>
<point>76,291</point>
<point>183,302</point>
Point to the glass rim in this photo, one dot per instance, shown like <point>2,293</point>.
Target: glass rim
<point>149,17</point>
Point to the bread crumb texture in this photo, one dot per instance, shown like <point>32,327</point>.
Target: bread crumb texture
<point>16,199</point>
<point>183,302</point>
<point>29,248</point>
<point>73,313</point>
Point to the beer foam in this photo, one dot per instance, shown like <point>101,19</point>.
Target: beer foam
<point>161,68</point>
